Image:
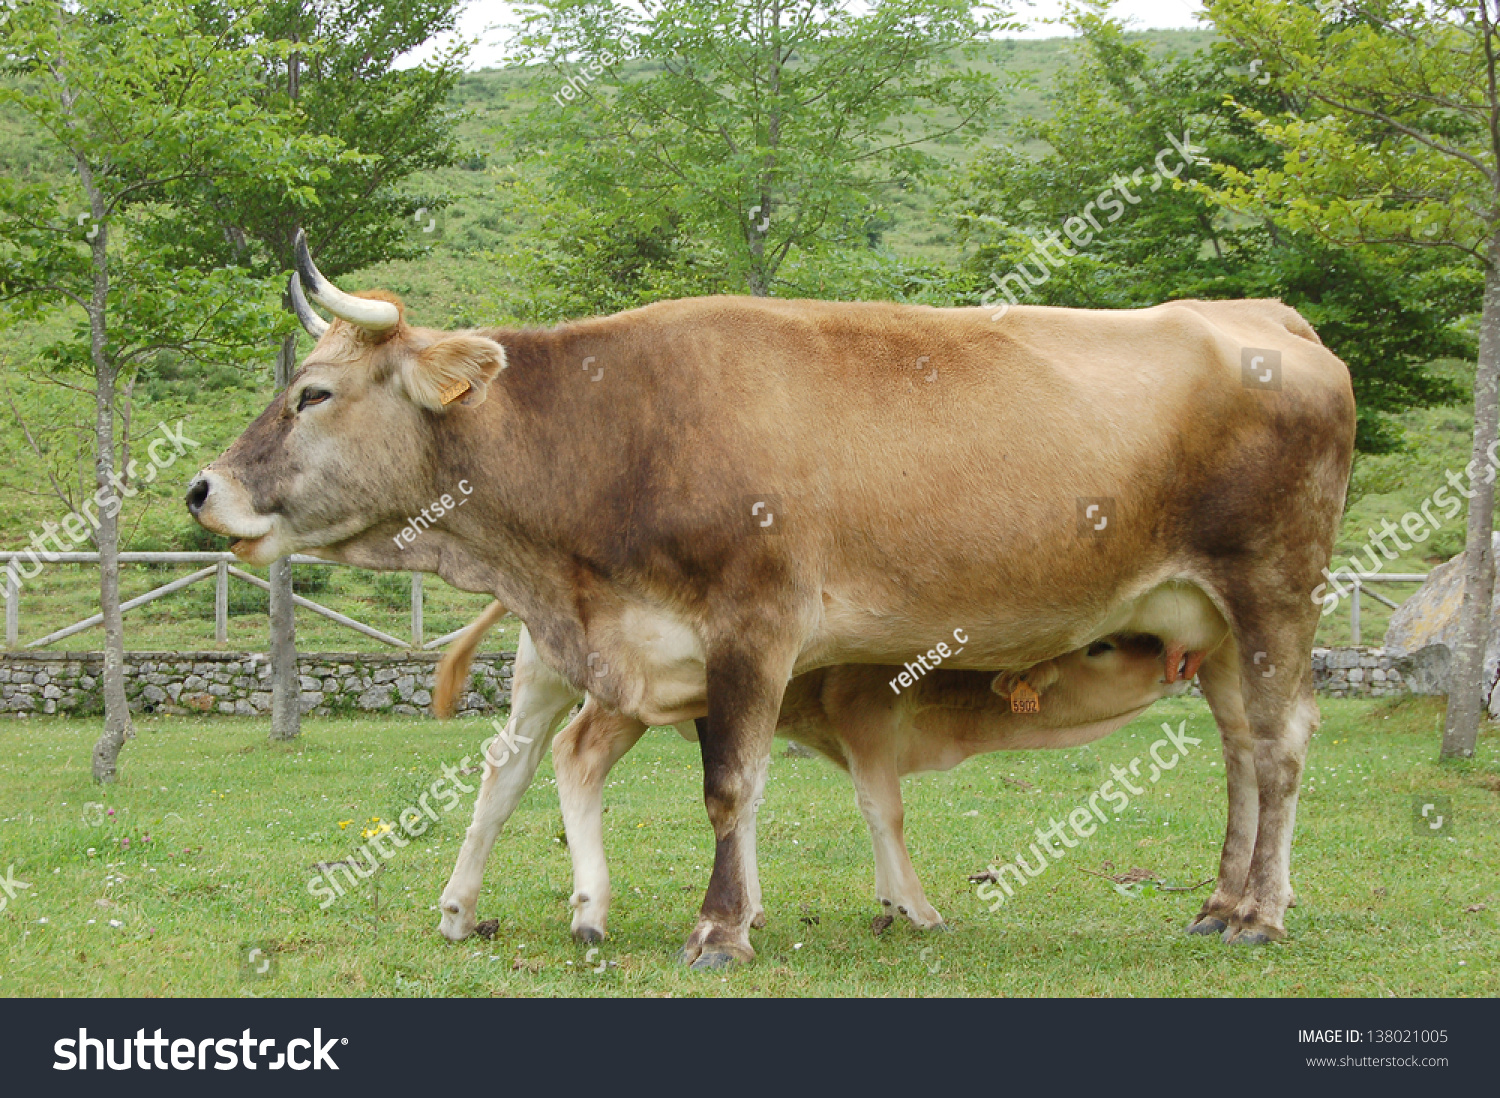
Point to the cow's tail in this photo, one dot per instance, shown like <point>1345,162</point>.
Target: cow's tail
<point>453,669</point>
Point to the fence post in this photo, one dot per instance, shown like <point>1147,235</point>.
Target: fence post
<point>12,606</point>
<point>221,603</point>
<point>1354,614</point>
<point>416,610</point>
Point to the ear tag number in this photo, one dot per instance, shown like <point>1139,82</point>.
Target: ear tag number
<point>454,391</point>
<point>1023,699</point>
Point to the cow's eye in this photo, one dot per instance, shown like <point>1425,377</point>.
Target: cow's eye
<point>310,397</point>
<point>1098,648</point>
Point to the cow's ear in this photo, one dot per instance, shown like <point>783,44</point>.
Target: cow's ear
<point>454,370</point>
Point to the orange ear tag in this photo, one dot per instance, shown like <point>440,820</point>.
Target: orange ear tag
<point>454,391</point>
<point>1023,699</point>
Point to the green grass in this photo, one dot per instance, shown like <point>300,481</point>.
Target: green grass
<point>235,825</point>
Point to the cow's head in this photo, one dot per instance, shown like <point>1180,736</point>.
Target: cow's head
<point>349,445</point>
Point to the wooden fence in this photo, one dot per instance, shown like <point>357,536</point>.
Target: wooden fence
<point>221,568</point>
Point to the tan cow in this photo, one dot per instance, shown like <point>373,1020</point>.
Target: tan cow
<point>848,713</point>
<point>693,502</point>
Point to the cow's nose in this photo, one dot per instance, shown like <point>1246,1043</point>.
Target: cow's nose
<point>197,495</point>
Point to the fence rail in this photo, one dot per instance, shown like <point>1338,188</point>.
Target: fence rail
<point>221,566</point>
<point>1359,582</point>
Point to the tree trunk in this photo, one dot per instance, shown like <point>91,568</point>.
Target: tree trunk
<point>286,703</point>
<point>117,727</point>
<point>1468,690</point>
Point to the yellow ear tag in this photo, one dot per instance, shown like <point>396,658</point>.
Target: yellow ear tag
<point>454,391</point>
<point>1023,699</point>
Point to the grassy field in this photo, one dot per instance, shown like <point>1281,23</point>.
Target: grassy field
<point>236,824</point>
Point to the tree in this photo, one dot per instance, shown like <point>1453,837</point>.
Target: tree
<point>135,97</point>
<point>1386,312</point>
<point>743,136</point>
<point>1391,135</point>
<point>337,74</point>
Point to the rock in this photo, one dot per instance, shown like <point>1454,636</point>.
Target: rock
<point>1424,631</point>
<point>377,697</point>
<point>201,702</point>
<point>154,694</point>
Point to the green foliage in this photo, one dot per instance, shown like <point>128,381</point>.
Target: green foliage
<point>1121,117</point>
<point>739,136</point>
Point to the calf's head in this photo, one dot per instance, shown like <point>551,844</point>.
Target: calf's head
<point>349,446</point>
<point>1114,675</point>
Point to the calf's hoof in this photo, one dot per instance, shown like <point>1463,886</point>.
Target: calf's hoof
<point>759,920</point>
<point>587,934</point>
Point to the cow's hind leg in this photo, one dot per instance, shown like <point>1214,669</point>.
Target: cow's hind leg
<point>539,699</point>
<point>1265,744</point>
<point>1220,680</point>
<point>585,751</point>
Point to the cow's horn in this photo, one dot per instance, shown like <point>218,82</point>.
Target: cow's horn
<point>374,316</point>
<point>311,321</point>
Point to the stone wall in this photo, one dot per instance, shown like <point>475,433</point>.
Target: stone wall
<point>238,683</point>
<point>1356,673</point>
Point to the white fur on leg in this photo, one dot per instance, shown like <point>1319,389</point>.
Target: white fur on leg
<point>539,699</point>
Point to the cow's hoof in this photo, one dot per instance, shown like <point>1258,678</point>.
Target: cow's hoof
<point>759,920</point>
<point>713,962</point>
<point>456,923</point>
<point>1245,937</point>
<point>1206,924</point>
<point>587,934</point>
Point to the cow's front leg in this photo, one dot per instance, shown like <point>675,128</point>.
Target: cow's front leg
<point>744,696</point>
<point>539,700</point>
<point>585,751</point>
